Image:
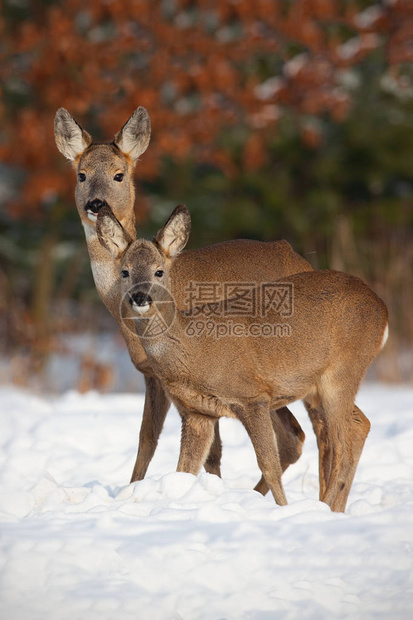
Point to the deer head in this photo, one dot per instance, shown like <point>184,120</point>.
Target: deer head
<point>144,265</point>
<point>104,171</point>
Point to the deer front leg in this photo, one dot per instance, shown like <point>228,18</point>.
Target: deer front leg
<point>257,422</point>
<point>290,438</point>
<point>154,412</point>
<point>213,463</point>
<point>197,437</point>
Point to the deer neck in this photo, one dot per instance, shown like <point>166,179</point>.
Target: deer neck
<point>106,276</point>
<point>105,272</point>
<point>167,353</point>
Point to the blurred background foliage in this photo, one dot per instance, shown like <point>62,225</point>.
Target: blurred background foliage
<point>271,119</point>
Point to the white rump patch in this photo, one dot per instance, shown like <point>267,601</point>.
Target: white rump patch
<point>385,336</point>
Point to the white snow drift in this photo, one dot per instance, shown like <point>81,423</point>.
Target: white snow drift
<point>78,542</point>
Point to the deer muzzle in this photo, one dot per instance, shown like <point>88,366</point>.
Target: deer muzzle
<point>140,302</point>
<point>92,208</point>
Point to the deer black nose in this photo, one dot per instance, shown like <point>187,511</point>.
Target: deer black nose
<point>140,299</point>
<point>95,205</point>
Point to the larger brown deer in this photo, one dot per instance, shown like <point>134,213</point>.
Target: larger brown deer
<point>337,327</point>
<point>105,179</point>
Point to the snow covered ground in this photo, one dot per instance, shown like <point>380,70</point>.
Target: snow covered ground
<point>78,542</point>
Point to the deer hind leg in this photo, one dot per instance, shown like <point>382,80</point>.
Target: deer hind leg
<point>196,440</point>
<point>258,424</point>
<point>319,422</point>
<point>290,438</point>
<point>154,412</point>
<point>360,427</point>
<point>213,463</point>
<point>347,429</point>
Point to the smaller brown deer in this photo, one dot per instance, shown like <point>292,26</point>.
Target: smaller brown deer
<point>337,327</point>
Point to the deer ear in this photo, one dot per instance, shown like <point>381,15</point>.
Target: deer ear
<point>133,138</point>
<point>71,139</point>
<point>173,237</point>
<point>111,233</point>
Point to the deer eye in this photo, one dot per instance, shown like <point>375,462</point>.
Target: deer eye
<point>118,177</point>
<point>159,273</point>
<point>124,273</point>
<point>81,176</point>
